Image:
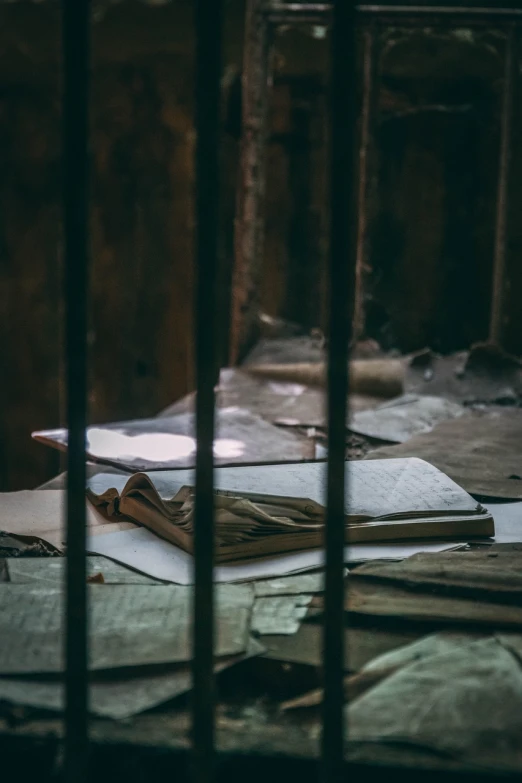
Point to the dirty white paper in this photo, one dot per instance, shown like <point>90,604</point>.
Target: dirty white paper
<point>146,552</point>
<point>129,625</point>
<point>508,522</point>
<point>39,514</point>
<point>50,571</point>
<point>117,697</point>
<point>466,701</point>
<point>279,614</point>
<point>400,419</point>
<point>169,441</point>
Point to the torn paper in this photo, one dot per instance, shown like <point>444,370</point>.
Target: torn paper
<point>281,614</point>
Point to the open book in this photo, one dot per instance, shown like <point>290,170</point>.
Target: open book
<point>270,509</point>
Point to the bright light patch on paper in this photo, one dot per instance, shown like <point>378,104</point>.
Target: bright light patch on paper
<point>287,389</point>
<point>153,446</point>
<point>226,447</point>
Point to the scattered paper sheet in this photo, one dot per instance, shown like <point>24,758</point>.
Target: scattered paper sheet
<point>480,452</point>
<point>33,514</point>
<point>508,522</point>
<point>369,597</point>
<point>129,625</point>
<point>433,644</point>
<point>146,552</point>
<point>50,571</point>
<point>467,701</point>
<point>169,442</point>
<point>290,585</point>
<point>279,614</point>
<point>480,574</point>
<point>117,697</point>
<point>149,554</point>
<point>291,404</point>
<point>361,645</point>
<point>403,417</point>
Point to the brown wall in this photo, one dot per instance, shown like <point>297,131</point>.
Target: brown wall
<point>430,204</point>
<point>141,274</point>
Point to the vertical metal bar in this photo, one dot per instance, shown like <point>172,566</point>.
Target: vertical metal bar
<point>342,278</point>
<point>208,73</point>
<point>499,260</point>
<point>75,43</point>
<point>250,222</point>
<point>364,147</point>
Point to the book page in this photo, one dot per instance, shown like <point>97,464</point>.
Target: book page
<point>129,625</point>
<point>374,487</point>
<point>405,485</point>
<point>152,555</point>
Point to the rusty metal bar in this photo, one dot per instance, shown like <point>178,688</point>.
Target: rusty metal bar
<point>343,122</point>
<point>510,76</point>
<point>249,226</point>
<point>207,120</point>
<point>75,140</point>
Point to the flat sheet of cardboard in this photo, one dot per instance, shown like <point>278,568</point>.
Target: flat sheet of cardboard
<point>119,695</point>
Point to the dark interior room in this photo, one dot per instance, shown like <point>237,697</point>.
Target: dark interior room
<point>261,432</point>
